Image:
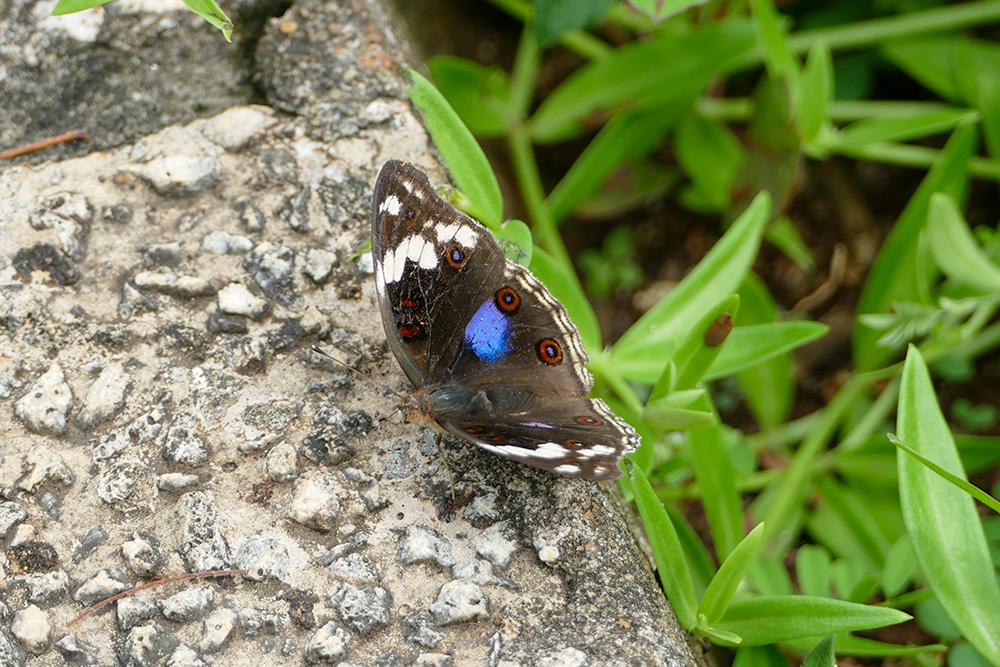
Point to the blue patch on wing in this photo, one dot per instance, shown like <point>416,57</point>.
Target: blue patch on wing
<point>488,332</point>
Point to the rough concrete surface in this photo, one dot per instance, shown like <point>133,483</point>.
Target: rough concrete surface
<point>161,411</point>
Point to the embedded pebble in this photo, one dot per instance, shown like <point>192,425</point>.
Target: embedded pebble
<point>146,645</point>
<point>417,628</point>
<point>420,544</point>
<point>178,175</point>
<point>253,622</point>
<point>104,584</point>
<point>478,571</point>
<point>566,657</point>
<point>458,601</point>
<point>327,644</point>
<point>316,502</point>
<point>165,254</point>
<point>547,544</point>
<point>11,514</point>
<point>251,216</point>
<point>142,554</point>
<point>182,444</point>
<point>235,127</point>
<point>482,508</point>
<point>32,629</point>
<point>69,215</point>
<point>216,629</point>
<point>263,558</point>
<point>185,656</point>
<point>43,466</point>
<point>176,482</point>
<point>495,545</point>
<point>374,497</point>
<point>94,538</point>
<point>366,265</point>
<point>47,588</point>
<point>377,111</point>
<point>189,605</point>
<point>204,547</point>
<point>75,651</point>
<point>106,397</point>
<point>282,462</point>
<point>139,431</point>
<point>435,660</point>
<point>236,299</point>
<point>119,483</point>
<point>320,264</point>
<point>167,282</point>
<point>45,407</point>
<point>134,610</point>
<point>222,242</point>
<point>360,609</point>
<point>354,566</point>
<point>272,267</point>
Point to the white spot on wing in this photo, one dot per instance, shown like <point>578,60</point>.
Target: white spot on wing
<point>390,205</point>
<point>550,450</point>
<point>567,469</point>
<point>466,236</point>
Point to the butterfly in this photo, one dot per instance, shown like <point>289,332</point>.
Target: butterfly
<point>493,356</point>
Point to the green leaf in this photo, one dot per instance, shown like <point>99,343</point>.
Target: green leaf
<point>720,592</point>
<point>769,576</point>
<point>717,482</point>
<point>515,239</point>
<point>667,551</point>
<point>641,352</point>
<point>673,412</point>
<point>955,248</point>
<point>554,17</point>
<point>768,386</point>
<point>704,341</point>
<point>660,10</point>
<point>812,568</point>
<point>465,159</point>
<point>72,6</point>
<point>629,135</point>
<point>946,530</point>
<point>480,95</point>
<point>896,276</point>
<point>700,563</point>
<point>213,14</point>
<point>759,656</point>
<point>900,566</point>
<point>899,127</point>
<point>751,345</point>
<point>625,81</point>
<point>869,648</point>
<point>565,287</point>
<point>767,620</point>
<point>816,91</point>
<point>958,482</point>
<point>711,156</point>
<point>783,234</point>
<point>771,37</point>
<point>822,655</point>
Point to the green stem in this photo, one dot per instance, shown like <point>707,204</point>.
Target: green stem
<point>915,156</point>
<point>734,109</point>
<point>578,41</point>
<point>873,418</point>
<point>524,74</point>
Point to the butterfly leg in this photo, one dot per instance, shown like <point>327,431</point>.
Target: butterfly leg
<point>451,479</point>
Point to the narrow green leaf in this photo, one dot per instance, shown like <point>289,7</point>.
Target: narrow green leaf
<point>465,159</point>
<point>955,249</point>
<point>624,80</point>
<point>717,482</point>
<point>812,568</point>
<point>767,620</point>
<point>900,566</point>
<point>565,287</point>
<point>667,551</point>
<point>554,17</point>
<point>899,127</point>
<point>671,413</point>
<point>783,234</point>
<point>822,655</point>
<point>958,482</point>
<point>72,6</point>
<point>479,95</point>
<point>851,505</point>
<point>946,530</point>
<point>768,386</point>
<point>760,656</point>
<point>769,576</point>
<point>895,276</point>
<point>751,345</point>
<point>868,648</point>
<point>715,278</point>
<point>725,583</point>
<point>771,37</point>
<point>711,156</point>
<point>816,87</point>
<point>704,342</point>
<point>699,561</point>
<point>628,135</point>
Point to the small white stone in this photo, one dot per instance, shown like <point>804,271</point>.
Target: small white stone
<point>41,466</point>
<point>282,462</point>
<point>236,299</point>
<point>32,629</point>
<point>45,407</point>
<point>316,502</point>
<point>494,545</point>
<point>178,175</point>
<point>215,630</point>
<point>458,601</point>
<point>235,127</point>
<point>223,243</point>
<point>366,265</point>
<point>319,264</point>
<point>176,482</point>
<point>105,397</point>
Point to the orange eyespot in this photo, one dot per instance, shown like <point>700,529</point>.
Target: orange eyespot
<point>575,444</point>
<point>549,351</point>
<point>507,299</point>
<point>455,256</point>
<point>587,420</point>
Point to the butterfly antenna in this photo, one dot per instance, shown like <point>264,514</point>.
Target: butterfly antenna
<point>380,420</point>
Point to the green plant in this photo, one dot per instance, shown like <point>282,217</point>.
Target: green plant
<point>873,526</point>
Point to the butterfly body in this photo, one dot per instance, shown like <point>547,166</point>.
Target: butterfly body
<point>493,356</point>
